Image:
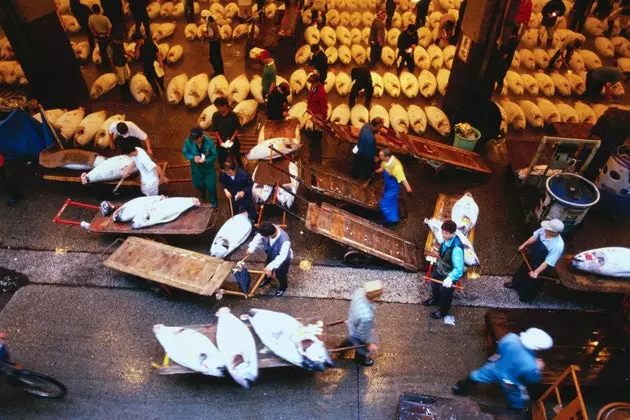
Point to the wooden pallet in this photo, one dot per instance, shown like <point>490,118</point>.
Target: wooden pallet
<point>171,266</point>
<point>340,187</point>
<point>266,359</point>
<point>442,211</point>
<point>588,282</point>
<point>413,146</point>
<point>361,234</point>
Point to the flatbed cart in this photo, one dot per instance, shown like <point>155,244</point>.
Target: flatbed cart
<point>266,359</point>
<point>442,211</point>
<point>177,268</point>
<point>193,222</point>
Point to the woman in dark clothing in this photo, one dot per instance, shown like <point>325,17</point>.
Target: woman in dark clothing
<point>82,13</point>
<point>149,55</point>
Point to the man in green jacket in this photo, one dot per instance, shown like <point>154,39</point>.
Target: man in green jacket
<point>199,150</point>
<point>268,74</point>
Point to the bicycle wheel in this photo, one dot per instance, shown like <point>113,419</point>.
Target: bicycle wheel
<point>38,384</point>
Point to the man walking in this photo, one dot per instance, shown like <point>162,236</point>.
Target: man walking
<point>277,246</point>
<point>269,72</point>
<point>82,13</point>
<point>278,103</point>
<point>513,366</point>
<point>365,157</point>
<point>449,268</point>
<point>361,322</point>
<point>199,150</point>
<point>113,9</point>
<point>138,9</point>
<point>390,9</point>
<point>361,80</point>
<point>189,11</point>
<point>237,185</point>
<point>121,129</point>
<point>101,28</point>
<point>225,125</point>
<point>394,175</point>
<point>120,66</point>
<point>422,8</point>
<point>149,55</point>
<point>214,42</point>
<point>319,62</point>
<point>377,38</point>
<point>407,42</point>
<point>542,250</point>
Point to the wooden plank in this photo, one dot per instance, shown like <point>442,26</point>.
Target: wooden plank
<point>193,222</point>
<point>341,187</point>
<point>415,146</point>
<point>171,266</point>
<point>368,237</point>
<point>284,128</point>
<point>588,282</point>
<point>266,359</point>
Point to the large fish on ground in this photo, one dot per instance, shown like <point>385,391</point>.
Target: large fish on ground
<point>102,85</point>
<point>111,169</point>
<point>417,119</point>
<point>190,349</point>
<point>231,235</point>
<point>51,115</point>
<point>359,116</point>
<point>217,88</point>
<point>205,119</point>
<point>391,83</point>
<point>196,90</point>
<point>438,120</point>
<point>237,348</point>
<point>287,338</point>
<point>238,89</point>
<point>246,111</point>
<point>141,89</point>
<point>175,89</point>
<point>68,122</point>
<point>88,127</point>
<point>284,144</point>
<point>128,211</point>
<point>399,119</point>
<point>341,114</point>
<point>164,211</point>
<point>610,261</point>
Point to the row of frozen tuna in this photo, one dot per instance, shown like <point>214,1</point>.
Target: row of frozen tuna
<point>139,86</point>
<point>11,73</point>
<point>170,53</point>
<point>198,31</point>
<point>543,111</point>
<point>235,351</point>
<point>82,129</point>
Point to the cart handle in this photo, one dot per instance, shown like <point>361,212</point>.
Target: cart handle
<point>428,279</point>
<point>531,269</point>
<point>69,202</point>
<point>338,349</point>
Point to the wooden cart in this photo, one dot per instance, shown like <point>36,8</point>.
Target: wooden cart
<point>266,359</point>
<point>364,237</point>
<point>588,282</point>
<point>194,222</point>
<point>175,267</point>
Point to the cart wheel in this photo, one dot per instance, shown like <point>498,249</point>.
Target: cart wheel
<point>162,291</point>
<point>354,258</point>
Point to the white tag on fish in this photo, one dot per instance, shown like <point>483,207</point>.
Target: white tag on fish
<point>355,149</point>
<point>449,320</point>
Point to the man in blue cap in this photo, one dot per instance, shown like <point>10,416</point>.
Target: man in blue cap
<point>199,150</point>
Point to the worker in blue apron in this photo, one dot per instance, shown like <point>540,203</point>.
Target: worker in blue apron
<point>513,367</point>
<point>449,268</point>
<point>542,250</point>
<point>277,246</point>
<point>394,175</point>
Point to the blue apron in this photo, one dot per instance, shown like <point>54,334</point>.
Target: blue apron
<point>389,202</point>
<point>526,286</point>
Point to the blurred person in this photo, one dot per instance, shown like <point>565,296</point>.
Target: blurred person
<point>237,186</point>
<point>277,245</point>
<point>407,42</point>
<point>360,322</point>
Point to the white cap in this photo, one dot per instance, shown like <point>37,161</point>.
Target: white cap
<point>536,339</point>
<point>553,225</point>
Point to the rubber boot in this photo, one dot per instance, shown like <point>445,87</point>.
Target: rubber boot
<point>463,387</point>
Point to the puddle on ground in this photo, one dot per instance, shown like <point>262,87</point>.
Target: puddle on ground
<point>11,280</point>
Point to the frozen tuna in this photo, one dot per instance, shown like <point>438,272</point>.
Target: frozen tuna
<point>164,211</point>
<point>610,261</point>
<point>399,119</point>
<point>417,119</point>
<point>514,114</point>
<point>68,123</point>
<point>380,112</point>
<point>427,84</point>
<point>140,88</point>
<point>409,84</point>
<point>421,58</point>
<point>231,235</point>
<point>585,113</point>
<point>389,55</point>
<point>88,127</point>
<point>205,119</point>
<point>174,54</point>
<point>533,114</point>
<point>175,89</point>
<point>297,81</point>
<point>343,83</point>
<point>359,116</point>
<point>132,208</point>
<point>238,90</point>
<point>102,85</point>
<point>563,87</point>
<point>438,120</point>
<point>112,168</point>
<point>217,88</point>
<point>237,348</point>
<point>341,114</point>
<point>391,83</point>
<point>436,56</point>
<point>196,90</point>
<point>246,111</point>
<point>101,137</point>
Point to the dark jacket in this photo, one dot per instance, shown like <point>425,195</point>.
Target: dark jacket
<point>361,77</point>
<point>405,41</point>
<point>81,12</point>
<point>242,182</point>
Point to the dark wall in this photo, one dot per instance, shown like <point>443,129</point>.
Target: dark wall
<point>42,47</point>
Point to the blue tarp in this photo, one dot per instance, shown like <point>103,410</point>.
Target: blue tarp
<point>23,136</point>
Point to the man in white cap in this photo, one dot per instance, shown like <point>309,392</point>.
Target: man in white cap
<point>361,321</point>
<point>542,250</point>
<point>513,366</point>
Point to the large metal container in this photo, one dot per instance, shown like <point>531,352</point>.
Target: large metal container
<point>614,182</point>
<point>568,197</point>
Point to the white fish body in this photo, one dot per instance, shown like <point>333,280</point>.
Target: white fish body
<point>285,198</point>
<point>196,90</point>
<point>438,120</point>
<point>312,35</point>
<point>442,79</point>
<point>237,348</point>
<point>359,116</point>
<point>298,112</point>
<point>392,37</point>
<point>545,84</point>
<point>549,110</point>
<point>586,114</point>
<point>578,85</point>
<point>240,30</point>
<point>205,119</point>
<point>533,114</point>
<point>238,89</point>
<point>449,53</point>
<point>610,261</point>
<point>377,84</point>
<point>427,84</point>
<point>332,54</point>
<point>101,137</point>
<point>81,50</point>
<point>516,60</point>
<point>190,349</point>
<point>470,256</point>
<point>358,54</point>
<point>379,111</point>
<point>51,115</point>
<point>297,81</point>
<point>594,26</point>
<point>217,88</point>
<point>279,81</point>
<point>417,119</point>
<point>567,113</point>
<point>343,36</point>
<point>409,84</point>
<point>345,54</point>
<point>140,88</point>
<point>69,122</point>
<point>563,87</point>
<point>328,36</point>
<point>425,37</point>
<point>163,48</point>
<point>388,55</point>
<point>288,339</point>
<point>515,82</point>
<point>132,208</point>
<point>175,89</point>
<point>231,235</point>
<point>343,83</point>
<point>255,87</point>
<point>527,59</point>
<point>102,85</point>
<point>164,30</point>
<point>164,211</point>
<point>178,10</point>
<point>190,32</point>
<point>515,115</point>
<point>591,60</point>
<point>153,9</point>
<point>174,54</point>
<point>341,114</point>
<point>436,56</point>
<point>88,127</point>
<point>329,83</point>
<point>399,119</point>
<point>355,36</point>
<point>542,58</point>
<point>530,84</point>
<point>111,169</point>
<point>303,54</point>
<point>391,83</point>
<point>284,144</point>
<point>246,111</point>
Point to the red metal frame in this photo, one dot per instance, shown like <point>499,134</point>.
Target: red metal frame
<point>69,202</point>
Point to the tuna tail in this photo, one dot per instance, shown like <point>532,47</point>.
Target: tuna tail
<point>223,310</point>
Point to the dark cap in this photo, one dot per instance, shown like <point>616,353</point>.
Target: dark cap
<point>128,144</point>
<point>196,132</point>
<point>266,229</point>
